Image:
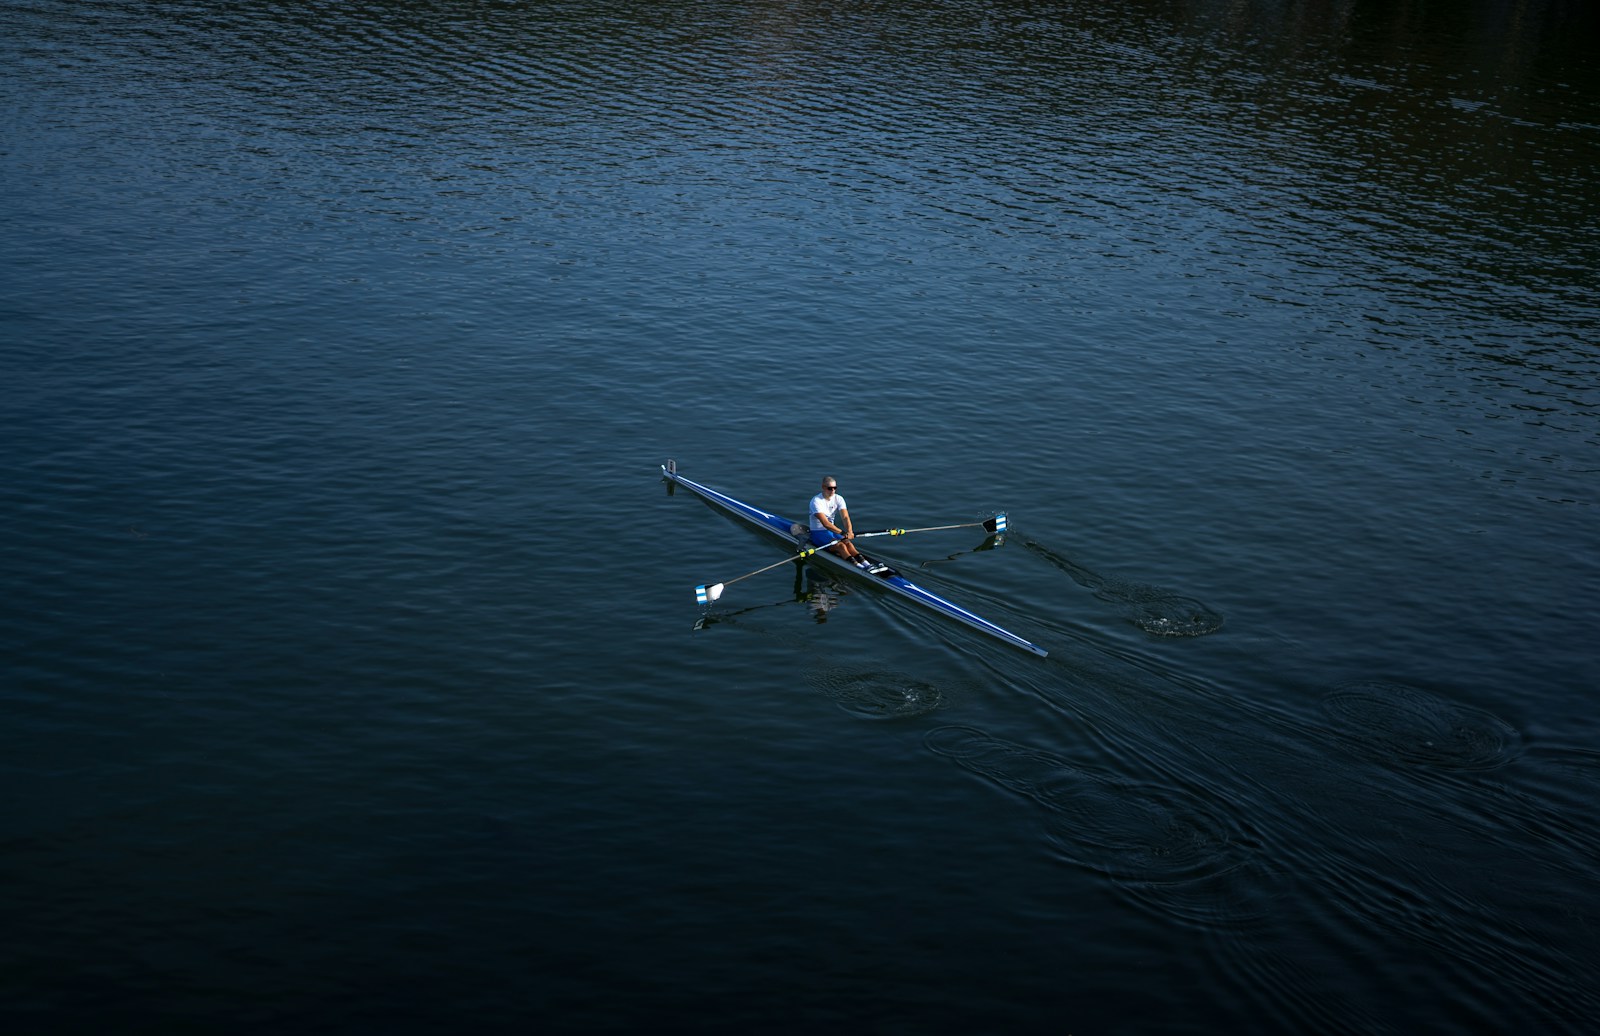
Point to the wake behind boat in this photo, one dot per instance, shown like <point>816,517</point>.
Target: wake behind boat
<point>876,572</point>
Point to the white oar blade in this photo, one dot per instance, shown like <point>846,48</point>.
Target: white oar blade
<point>708,594</point>
<point>999,524</point>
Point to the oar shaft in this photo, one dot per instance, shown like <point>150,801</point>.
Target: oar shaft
<point>796,557</point>
<point>996,524</point>
<point>706,593</point>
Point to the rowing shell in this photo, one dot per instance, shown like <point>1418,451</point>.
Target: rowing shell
<point>796,535</point>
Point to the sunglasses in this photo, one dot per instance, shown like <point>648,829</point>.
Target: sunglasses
<point>830,487</point>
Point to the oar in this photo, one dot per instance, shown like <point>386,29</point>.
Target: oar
<point>708,594</point>
<point>995,525</point>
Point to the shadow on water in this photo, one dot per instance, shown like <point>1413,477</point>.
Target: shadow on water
<point>1154,609</point>
<point>991,543</point>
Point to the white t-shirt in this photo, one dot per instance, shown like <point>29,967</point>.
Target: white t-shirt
<point>831,508</point>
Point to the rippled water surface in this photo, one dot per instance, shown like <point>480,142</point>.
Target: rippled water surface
<point>352,671</point>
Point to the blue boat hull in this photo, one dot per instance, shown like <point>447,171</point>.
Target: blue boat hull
<point>796,535</point>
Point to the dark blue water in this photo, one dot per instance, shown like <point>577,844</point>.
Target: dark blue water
<point>352,671</point>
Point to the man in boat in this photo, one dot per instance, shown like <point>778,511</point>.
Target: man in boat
<point>830,522</point>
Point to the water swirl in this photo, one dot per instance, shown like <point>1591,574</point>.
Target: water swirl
<point>1165,847</point>
<point>873,694</point>
<point>1396,723</point>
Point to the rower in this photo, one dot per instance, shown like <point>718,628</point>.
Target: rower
<point>830,522</point>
